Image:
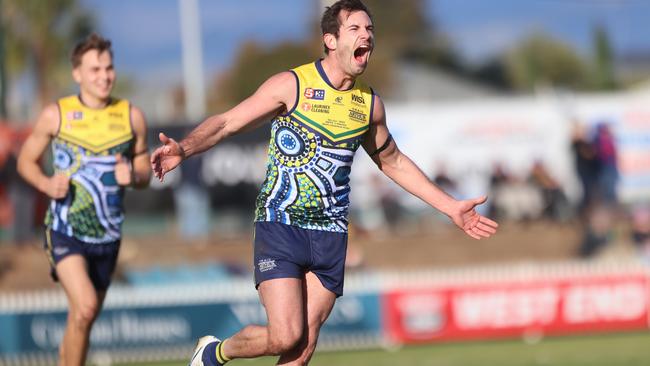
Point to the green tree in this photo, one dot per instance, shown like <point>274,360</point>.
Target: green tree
<point>402,32</point>
<point>540,59</point>
<point>38,37</point>
<point>403,28</point>
<point>254,64</point>
<point>603,66</point>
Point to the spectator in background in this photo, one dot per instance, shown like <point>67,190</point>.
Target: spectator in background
<point>597,167</point>
<point>597,231</point>
<point>514,198</point>
<point>498,180</point>
<point>586,165</point>
<point>605,147</point>
<point>555,203</point>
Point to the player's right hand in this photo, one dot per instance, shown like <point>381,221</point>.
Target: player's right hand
<point>57,186</point>
<point>166,157</point>
<point>464,215</point>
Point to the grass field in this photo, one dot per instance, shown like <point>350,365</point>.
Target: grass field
<point>629,349</point>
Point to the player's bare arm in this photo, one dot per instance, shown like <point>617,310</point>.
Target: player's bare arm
<point>29,166</point>
<point>391,161</point>
<point>270,99</point>
<point>139,170</point>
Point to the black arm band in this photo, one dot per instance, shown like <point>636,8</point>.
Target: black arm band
<point>384,146</point>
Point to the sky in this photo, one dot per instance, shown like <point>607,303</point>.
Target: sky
<point>146,33</point>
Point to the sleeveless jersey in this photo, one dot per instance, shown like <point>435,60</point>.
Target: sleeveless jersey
<point>84,149</point>
<point>311,151</point>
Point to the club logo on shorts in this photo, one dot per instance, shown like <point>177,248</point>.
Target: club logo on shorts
<point>266,264</point>
<point>60,250</point>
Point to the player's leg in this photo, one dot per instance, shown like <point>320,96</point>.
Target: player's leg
<point>85,272</point>
<point>283,302</point>
<point>280,253</point>
<point>320,302</point>
<point>323,283</point>
<point>84,303</point>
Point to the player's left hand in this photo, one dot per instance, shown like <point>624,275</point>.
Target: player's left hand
<point>123,174</point>
<point>464,215</point>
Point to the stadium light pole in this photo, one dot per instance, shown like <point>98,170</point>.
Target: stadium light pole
<point>193,78</point>
<point>193,208</point>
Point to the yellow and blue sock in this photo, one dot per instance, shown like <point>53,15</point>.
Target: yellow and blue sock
<point>221,357</point>
<point>215,354</point>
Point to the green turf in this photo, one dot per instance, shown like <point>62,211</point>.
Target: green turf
<point>629,349</point>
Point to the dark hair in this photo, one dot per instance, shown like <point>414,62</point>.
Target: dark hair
<point>330,23</point>
<point>93,42</point>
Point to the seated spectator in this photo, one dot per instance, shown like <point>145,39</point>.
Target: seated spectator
<point>513,198</point>
<point>555,203</point>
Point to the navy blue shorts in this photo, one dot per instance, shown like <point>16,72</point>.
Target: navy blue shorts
<point>100,258</point>
<point>285,251</point>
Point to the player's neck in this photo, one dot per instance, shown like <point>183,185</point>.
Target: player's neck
<point>337,77</point>
<point>93,102</point>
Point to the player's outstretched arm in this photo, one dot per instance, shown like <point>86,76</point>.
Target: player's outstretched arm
<point>391,161</point>
<point>30,154</point>
<point>270,99</point>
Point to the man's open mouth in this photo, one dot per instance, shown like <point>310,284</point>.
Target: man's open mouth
<point>361,53</point>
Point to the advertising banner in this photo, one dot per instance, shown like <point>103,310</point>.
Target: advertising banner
<point>170,325</point>
<point>528,309</point>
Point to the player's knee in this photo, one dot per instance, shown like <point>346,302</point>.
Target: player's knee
<point>85,313</point>
<point>285,342</point>
<point>282,346</point>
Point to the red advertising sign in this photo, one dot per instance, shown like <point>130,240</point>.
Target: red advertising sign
<point>515,309</point>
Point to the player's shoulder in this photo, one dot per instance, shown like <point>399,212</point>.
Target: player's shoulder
<point>280,84</point>
<point>378,108</point>
<point>49,119</point>
<point>51,113</point>
<point>136,111</point>
<point>283,77</point>
<point>138,120</point>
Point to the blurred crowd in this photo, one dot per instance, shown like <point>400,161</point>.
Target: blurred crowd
<point>596,212</point>
<point>381,209</point>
